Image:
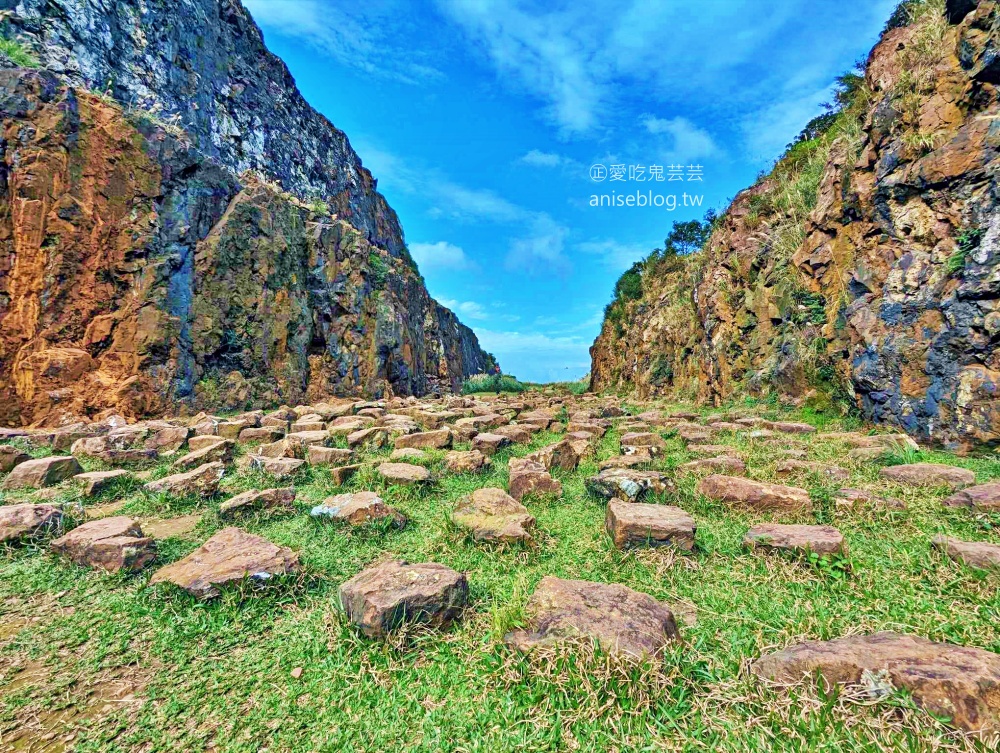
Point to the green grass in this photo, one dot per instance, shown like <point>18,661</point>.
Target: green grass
<point>17,53</point>
<point>218,675</point>
<point>482,383</point>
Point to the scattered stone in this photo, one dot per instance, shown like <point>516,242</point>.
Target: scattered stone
<point>638,525</point>
<point>111,544</point>
<point>204,440</point>
<point>790,427</point>
<point>228,557</point>
<point>648,439</point>
<point>357,509</point>
<point>929,474</point>
<point>409,455</point>
<point>277,467</point>
<point>168,439</point>
<point>956,682</point>
<point>261,434</point>
<point>528,478</point>
<point>406,474</point>
<point>755,495</point>
<point>10,457</point>
<point>203,480</point>
<point>97,481</point>
<point>41,472</point>
<point>465,462</point>
<point>221,452</point>
<point>627,484</point>
<point>721,464</point>
<point>979,554</point>
<point>493,515</point>
<point>436,440</point>
<point>319,455</point>
<point>981,497</point>
<point>374,438</point>
<point>381,598</point>
<point>104,448</point>
<point>514,432</point>
<point>266,499</point>
<point>489,444</point>
<point>695,434</point>
<point>560,455</point>
<point>27,521</point>
<point>853,497</point>
<point>625,461</point>
<point>866,453</point>
<point>342,473</point>
<point>797,538</point>
<point>169,528</point>
<point>794,467</point>
<point>621,620</point>
<point>712,449</point>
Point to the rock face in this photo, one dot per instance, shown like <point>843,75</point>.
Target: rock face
<point>385,596</point>
<point>621,620</point>
<point>881,288</point>
<point>145,263</point>
<point>112,544</point>
<point>228,557</point>
<point>952,681</point>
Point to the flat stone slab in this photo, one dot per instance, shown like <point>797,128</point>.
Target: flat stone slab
<point>796,538</point>
<point>204,441</point>
<point>26,521</point>
<point>528,478</point>
<point>951,681</point>
<point>561,455</point>
<point>439,439</point>
<point>626,483</point>
<point>319,455</point>
<point>221,451</point>
<point>980,497</point>
<point>169,528</point>
<point>458,461</point>
<point>621,620</point>
<point>490,444</point>
<point>495,516</point>
<point>791,427</point>
<point>754,495</point>
<point>277,467</point>
<point>112,544</point>
<point>41,472</point>
<point>642,439</point>
<point>625,461</point>
<point>383,597</point>
<point>405,474</point>
<point>712,449</point>
<point>632,524</point>
<point>408,455</point>
<point>721,464</point>
<point>852,498</point>
<point>795,467</point>
<point>259,499</point>
<point>203,481</point>
<point>979,554</point>
<point>10,457</point>
<point>357,509</point>
<point>230,556</point>
<point>929,474</point>
<point>97,481</point>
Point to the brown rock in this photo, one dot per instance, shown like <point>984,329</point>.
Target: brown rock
<point>528,478</point>
<point>621,620</point>
<point>625,461</point>
<point>854,497</point>
<point>743,492</point>
<point>97,481</point>
<point>27,521</point>
<point>381,598</point>
<point>798,538</point>
<point>492,515</point>
<point>277,467</point>
<point>960,683</point>
<point>228,557</point>
<point>929,474</point>
<point>712,449</point>
<point>168,439</point>
<point>722,464</point>
<point>627,484</point>
<point>790,427</point>
<point>404,473</point>
<point>319,455</point>
<point>203,480</point>
<point>638,525</point>
<point>794,467</point>
<point>489,444</point>
<point>408,455</point>
<point>465,462</point>
<point>203,441</point>
<point>695,434</point>
<point>342,473</point>
<point>514,432</point>
<point>221,452</point>
<point>112,544</point>
<point>254,499</point>
<point>979,554</point>
<point>357,509</point>
<point>981,497</point>
<point>11,456</point>
<point>561,455</point>
<point>437,440</point>
<point>642,439</point>
<point>41,472</point>
<point>261,434</point>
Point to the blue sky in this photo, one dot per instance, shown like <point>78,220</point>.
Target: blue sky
<point>481,120</point>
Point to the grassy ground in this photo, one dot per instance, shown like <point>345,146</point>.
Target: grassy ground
<point>97,662</point>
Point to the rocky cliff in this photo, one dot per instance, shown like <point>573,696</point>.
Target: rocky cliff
<point>865,268</point>
<point>141,273</point>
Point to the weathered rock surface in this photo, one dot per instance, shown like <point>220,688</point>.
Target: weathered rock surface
<point>528,478</point>
<point>950,681</point>
<point>11,456</point>
<point>439,439</point>
<point>929,474</point>
<point>723,464</point>
<point>230,556</point>
<point>405,474</point>
<point>755,495</point>
<point>800,467</point>
<point>27,521</point>
<point>203,480</point>
<point>495,516</point>
<point>632,524</point>
<point>259,499</point>
<point>41,472</point>
<point>111,544</point>
<point>221,452</point>
<point>357,509</point>
<point>561,455</point>
<point>626,483</point>
<point>383,597</point>
<point>979,554</point>
<point>852,498</point>
<point>796,538</point>
<point>981,497</point>
<point>97,481</point>
<point>458,461</point>
<point>621,620</point>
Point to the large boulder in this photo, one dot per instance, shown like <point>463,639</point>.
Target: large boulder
<point>956,682</point>
<point>472,461</point>
<point>111,544</point>
<point>383,597</point>
<point>41,472</point>
<point>621,620</point>
<point>439,439</point>
<point>754,495</point>
<point>561,455</point>
<point>230,556</point>
<point>493,515</point>
<point>27,521</point>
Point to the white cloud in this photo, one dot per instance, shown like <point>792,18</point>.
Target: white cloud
<point>613,254</point>
<point>468,309</point>
<point>441,255</point>
<point>537,158</point>
<point>687,142</point>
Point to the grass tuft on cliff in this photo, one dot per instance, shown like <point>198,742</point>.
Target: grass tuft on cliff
<point>17,53</point>
<point>492,383</point>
